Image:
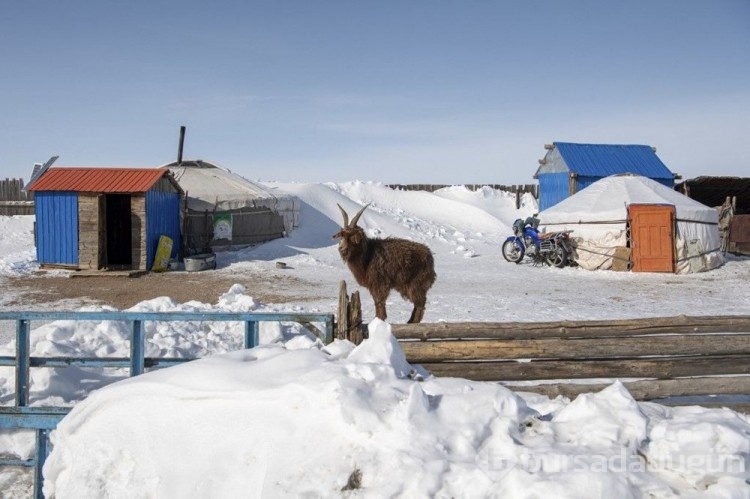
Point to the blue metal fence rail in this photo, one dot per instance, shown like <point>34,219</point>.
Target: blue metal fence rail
<point>45,419</point>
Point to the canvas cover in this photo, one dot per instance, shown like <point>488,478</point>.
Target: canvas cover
<point>597,215</point>
<point>209,187</point>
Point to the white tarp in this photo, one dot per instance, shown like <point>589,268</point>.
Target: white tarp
<point>598,216</point>
<point>210,187</point>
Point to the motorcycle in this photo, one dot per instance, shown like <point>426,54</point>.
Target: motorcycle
<point>553,248</point>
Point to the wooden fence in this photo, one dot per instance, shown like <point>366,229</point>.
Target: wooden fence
<point>13,199</point>
<point>656,358</point>
<point>518,190</point>
<point>739,235</point>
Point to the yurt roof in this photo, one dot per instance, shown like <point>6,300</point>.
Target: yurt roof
<point>209,186</point>
<point>606,200</point>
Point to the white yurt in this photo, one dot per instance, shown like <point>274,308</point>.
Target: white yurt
<point>223,209</point>
<point>609,231</point>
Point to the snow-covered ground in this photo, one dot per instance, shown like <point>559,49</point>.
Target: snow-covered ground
<point>296,418</point>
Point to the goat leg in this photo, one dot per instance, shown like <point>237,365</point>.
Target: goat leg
<point>380,310</point>
<point>416,315</point>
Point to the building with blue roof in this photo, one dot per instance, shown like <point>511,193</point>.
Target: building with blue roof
<point>567,167</point>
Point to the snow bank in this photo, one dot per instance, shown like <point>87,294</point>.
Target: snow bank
<point>275,422</point>
<point>17,245</point>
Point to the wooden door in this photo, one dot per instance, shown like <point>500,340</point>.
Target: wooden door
<point>652,237</point>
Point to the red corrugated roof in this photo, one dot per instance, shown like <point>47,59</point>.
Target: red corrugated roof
<point>124,180</point>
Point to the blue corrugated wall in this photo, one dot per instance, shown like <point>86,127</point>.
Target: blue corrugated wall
<point>553,188</point>
<point>162,218</point>
<point>56,227</point>
<point>583,182</point>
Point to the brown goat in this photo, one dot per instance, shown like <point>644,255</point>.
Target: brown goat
<point>384,264</point>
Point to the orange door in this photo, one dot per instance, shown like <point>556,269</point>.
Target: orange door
<point>652,237</point>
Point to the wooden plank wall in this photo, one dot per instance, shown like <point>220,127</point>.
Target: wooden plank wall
<point>530,188</point>
<point>138,224</point>
<point>656,358</point>
<point>739,235</point>
<point>88,231</point>
<point>13,200</point>
<point>518,190</point>
<point>660,357</point>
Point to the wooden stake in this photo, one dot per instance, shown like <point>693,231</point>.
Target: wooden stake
<point>342,314</point>
<point>355,319</point>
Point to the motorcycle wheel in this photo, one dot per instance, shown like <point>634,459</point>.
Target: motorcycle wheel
<point>558,258</point>
<point>513,251</point>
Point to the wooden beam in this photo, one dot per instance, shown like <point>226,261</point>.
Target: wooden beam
<point>648,389</point>
<point>582,348</point>
<point>661,368</point>
<point>683,325</point>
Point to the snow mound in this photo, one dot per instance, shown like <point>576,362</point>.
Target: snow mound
<point>276,421</point>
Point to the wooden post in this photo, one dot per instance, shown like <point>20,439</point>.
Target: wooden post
<point>342,314</point>
<point>349,316</point>
<point>355,319</point>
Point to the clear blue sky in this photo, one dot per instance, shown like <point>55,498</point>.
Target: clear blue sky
<point>389,91</point>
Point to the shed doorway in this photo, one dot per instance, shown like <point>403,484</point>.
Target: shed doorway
<point>118,232</point>
<point>652,237</point>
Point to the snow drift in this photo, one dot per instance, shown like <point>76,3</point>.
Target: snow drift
<point>277,421</point>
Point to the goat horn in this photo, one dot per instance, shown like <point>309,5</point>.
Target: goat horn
<point>346,217</point>
<point>359,214</point>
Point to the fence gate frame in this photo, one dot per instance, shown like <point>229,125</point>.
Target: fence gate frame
<point>45,419</point>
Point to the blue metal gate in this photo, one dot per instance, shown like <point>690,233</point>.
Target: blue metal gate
<point>45,419</point>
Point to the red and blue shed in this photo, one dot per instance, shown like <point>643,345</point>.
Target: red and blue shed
<point>105,218</point>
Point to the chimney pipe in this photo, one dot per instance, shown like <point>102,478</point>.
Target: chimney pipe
<point>179,149</point>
